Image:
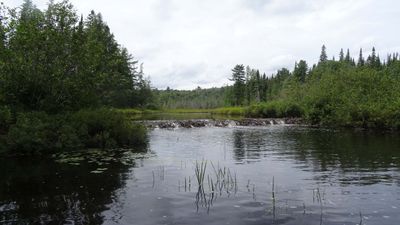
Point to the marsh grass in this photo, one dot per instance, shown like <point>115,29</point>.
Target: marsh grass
<point>200,171</point>
<point>210,183</point>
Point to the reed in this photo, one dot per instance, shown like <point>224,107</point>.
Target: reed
<point>200,171</point>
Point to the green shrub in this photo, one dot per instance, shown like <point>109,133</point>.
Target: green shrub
<point>275,109</point>
<point>270,110</point>
<point>292,110</point>
<point>152,106</point>
<point>107,128</point>
<point>232,111</point>
<point>38,132</point>
<point>321,112</point>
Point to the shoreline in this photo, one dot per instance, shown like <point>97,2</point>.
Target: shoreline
<point>254,122</point>
<point>195,123</point>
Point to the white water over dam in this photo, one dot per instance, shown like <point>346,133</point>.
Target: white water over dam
<point>171,124</point>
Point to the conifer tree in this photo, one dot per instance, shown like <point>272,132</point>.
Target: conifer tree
<point>239,77</point>
<point>373,61</point>
<point>300,71</point>
<point>323,57</point>
<point>347,59</point>
<point>361,60</point>
<point>341,55</point>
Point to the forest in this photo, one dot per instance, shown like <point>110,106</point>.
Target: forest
<point>61,74</point>
<point>356,92</point>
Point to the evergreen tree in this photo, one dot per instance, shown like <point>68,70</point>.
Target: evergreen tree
<point>300,71</point>
<point>323,57</point>
<point>263,87</point>
<point>258,87</point>
<point>373,55</point>
<point>347,59</point>
<point>373,61</point>
<point>341,55</point>
<point>238,76</point>
<point>378,63</point>
<point>361,60</point>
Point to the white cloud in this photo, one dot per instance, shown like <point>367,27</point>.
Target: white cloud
<point>190,43</point>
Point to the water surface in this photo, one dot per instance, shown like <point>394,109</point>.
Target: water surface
<point>253,175</point>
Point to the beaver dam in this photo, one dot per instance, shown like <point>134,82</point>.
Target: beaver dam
<point>170,124</point>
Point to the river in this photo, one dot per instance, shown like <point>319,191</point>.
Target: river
<point>275,174</point>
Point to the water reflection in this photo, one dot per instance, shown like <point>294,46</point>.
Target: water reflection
<point>42,191</point>
<point>249,146</point>
<point>351,157</point>
<point>254,175</point>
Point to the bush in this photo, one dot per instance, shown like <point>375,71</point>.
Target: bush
<point>275,109</point>
<point>292,110</point>
<point>38,132</point>
<point>106,128</point>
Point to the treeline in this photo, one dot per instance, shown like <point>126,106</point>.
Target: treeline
<point>251,87</point>
<point>198,98</point>
<point>347,92</point>
<point>54,62</point>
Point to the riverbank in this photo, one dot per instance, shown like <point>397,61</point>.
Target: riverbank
<point>313,116</point>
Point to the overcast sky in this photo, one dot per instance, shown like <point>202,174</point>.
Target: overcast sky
<point>188,43</point>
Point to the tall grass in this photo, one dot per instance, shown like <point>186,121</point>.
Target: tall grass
<point>232,111</point>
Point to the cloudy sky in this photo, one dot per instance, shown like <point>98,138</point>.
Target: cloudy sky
<point>188,43</point>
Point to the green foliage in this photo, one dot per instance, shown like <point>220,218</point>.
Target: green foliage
<point>105,128</point>
<point>53,64</point>
<point>238,77</point>
<point>323,57</point>
<point>194,99</point>
<point>300,71</point>
<point>232,111</point>
<point>37,132</point>
<point>275,109</point>
<point>41,133</point>
<point>353,96</point>
<point>58,62</point>
<point>334,93</point>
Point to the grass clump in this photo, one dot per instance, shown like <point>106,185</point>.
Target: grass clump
<point>232,111</point>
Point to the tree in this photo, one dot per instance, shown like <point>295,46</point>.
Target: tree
<point>373,61</point>
<point>361,60</point>
<point>300,71</point>
<point>347,59</point>
<point>323,57</point>
<point>341,55</point>
<point>58,62</point>
<point>3,49</point>
<point>238,76</point>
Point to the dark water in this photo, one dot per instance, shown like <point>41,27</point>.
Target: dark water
<point>271,175</point>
